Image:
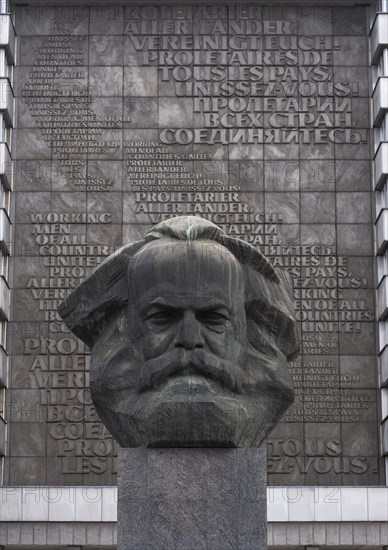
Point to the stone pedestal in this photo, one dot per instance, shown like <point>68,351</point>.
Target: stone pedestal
<point>192,499</point>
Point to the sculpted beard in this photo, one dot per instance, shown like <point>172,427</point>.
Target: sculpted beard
<point>125,368</point>
<point>118,366</point>
<point>137,395</point>
<point>151,399</point>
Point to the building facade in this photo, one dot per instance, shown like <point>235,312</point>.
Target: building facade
<point>269,119</point>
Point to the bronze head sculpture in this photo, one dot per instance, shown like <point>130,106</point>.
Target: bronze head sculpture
<point>191,332</point>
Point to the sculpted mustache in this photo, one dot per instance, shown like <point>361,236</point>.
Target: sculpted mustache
<point>155,371</point>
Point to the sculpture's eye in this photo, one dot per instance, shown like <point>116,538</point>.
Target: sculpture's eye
<point>213,317</point>
<point>162,315</point>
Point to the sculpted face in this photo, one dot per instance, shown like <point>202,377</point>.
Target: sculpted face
<point>189,345</point>
<point>187,311</point>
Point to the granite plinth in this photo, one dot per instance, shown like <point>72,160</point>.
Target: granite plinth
<point>192,499</point>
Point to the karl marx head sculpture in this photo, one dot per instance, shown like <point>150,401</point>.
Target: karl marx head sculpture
<point>191,332</point>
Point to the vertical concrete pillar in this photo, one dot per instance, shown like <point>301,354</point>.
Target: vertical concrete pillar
<point>192,498</point>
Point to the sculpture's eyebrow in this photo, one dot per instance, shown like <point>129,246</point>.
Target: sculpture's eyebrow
<point>175,302</point>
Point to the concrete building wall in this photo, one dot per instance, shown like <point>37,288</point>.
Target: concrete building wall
<point>298,517</point>
<point>259,117</point>
<point>256,117</point>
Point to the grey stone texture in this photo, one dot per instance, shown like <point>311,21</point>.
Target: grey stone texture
<point>192,498</point>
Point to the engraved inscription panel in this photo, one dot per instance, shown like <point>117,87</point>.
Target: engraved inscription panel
<point>254,117</point>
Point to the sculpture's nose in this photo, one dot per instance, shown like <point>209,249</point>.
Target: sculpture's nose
<point>189,332</point>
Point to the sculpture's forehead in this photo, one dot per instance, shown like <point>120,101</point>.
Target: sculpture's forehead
<point>200,267</point>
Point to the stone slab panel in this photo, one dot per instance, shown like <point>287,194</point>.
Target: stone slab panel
<point>180,498</point>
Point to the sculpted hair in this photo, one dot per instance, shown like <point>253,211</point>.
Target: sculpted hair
<point>268,299</point>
